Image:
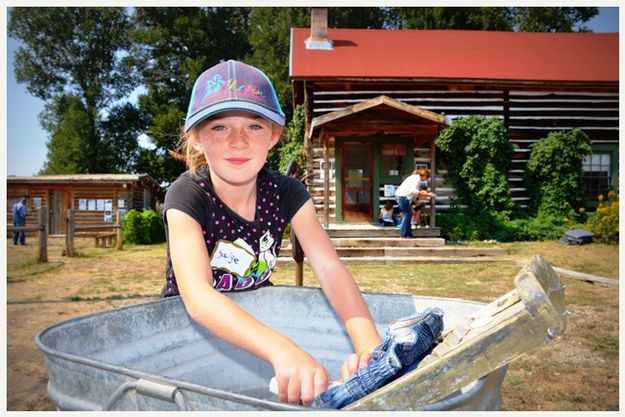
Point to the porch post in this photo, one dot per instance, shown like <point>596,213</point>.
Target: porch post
<point>326,180</point>
<point>433,177</point>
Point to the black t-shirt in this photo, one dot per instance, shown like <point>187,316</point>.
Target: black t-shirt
<point>242,253</point>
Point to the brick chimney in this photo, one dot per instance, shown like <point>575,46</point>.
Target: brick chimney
<point>319,30</point>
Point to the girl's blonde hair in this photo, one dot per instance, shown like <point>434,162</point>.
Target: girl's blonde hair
<point>185,151</point>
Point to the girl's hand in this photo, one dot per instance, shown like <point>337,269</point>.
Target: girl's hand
<point>354,362</point>
<point>300,377</point>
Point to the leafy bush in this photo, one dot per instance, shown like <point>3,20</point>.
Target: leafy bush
<point>143,227</point>
<point>477,153</point>
<point>154,226</point>
<point>462,226</point>
<point>456,226</point>
<point>293,145</point>
<point>604,222</point>
<point>546,227</point>
<point>554,172</point>
<point>132,226</point>
<point>294,148</point>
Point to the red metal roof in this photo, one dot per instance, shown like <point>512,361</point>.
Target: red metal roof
<point>465,54</point>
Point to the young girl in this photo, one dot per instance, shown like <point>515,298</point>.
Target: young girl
<point>225,217</point>
<point>387,216</point>
<point>423,197</point>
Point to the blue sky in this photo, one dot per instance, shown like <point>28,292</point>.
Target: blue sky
<point>26,141</point>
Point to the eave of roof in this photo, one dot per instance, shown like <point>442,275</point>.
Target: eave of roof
<point>82,178</point>
<point>458,54</point>
<point>375,102</point>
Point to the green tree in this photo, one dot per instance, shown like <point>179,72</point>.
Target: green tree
<point>553,19</point>
<point>77,52</point>
<point>120,130</point>
<point>554,172</point>
<point>358,17</point>
<point>477,18</point>
<point>477,153</point>
<point>270,40</point>
<point>173,46</point>
<point>65,117</point>
<point>526,19</point>
<point>293,149</point>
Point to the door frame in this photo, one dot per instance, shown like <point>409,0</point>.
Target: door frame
<point>364,144</point>
<point>378,179</point>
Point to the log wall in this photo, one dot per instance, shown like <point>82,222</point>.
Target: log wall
<point>529,113</point>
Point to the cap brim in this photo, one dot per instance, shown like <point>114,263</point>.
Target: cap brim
<point>233,106</point>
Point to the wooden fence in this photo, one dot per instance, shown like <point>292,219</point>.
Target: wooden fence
<point>115,232</point>
<point>42,228</point>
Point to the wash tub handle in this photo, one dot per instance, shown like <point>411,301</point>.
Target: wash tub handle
<point>150,389</point>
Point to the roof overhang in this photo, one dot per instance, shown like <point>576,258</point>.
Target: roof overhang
<point>381,100</point>
<point>82,179</point>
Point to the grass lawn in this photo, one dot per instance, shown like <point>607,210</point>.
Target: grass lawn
<point>578,371</point>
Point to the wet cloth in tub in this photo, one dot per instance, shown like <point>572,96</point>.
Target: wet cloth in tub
<point>406,343</point>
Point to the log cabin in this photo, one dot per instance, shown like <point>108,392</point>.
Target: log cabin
<point>376,99</point>
<point>95,198</point>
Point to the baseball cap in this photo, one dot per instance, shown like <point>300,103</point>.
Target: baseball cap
<point>233,85</point>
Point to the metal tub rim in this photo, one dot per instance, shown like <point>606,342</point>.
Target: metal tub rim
<point>453,399</point>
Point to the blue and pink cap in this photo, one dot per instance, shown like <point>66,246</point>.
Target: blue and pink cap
<point>233,86</point>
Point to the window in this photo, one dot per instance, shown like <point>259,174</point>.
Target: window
<point>322,171</point>
<point>393,159</point>
<point>597,171</point>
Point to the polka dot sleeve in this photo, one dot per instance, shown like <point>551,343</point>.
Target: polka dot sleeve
<point>185,195</point>
<point>293,195</point>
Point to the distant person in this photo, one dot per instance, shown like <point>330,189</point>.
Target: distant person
<point>387,215</point>
<point>19,220</point>
<point>405,194</point>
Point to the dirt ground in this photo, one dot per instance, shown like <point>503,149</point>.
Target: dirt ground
<point>41,297</point>
<point>579,371</point>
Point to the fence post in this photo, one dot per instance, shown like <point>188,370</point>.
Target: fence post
<point>298,257</point>
<point>43,235</point>
<point>432,211</point>
<point>118,240</point>
<point>69,233</point>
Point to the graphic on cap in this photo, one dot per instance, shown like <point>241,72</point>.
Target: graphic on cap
<point>233,85</point>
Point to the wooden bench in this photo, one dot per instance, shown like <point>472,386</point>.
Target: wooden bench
<point>102,239</point>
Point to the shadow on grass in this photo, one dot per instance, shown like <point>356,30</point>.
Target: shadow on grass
<point>50,267</point>
<point>77,298</point>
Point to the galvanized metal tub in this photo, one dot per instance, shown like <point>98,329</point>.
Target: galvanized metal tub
<point>152,356</point>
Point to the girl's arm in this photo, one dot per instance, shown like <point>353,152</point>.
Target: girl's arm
<point>299,376</point>
<point>336,281</point>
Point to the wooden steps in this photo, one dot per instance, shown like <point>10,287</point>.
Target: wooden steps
<point>376,244</point>
<point>372,231</point>
<point>415,251</point>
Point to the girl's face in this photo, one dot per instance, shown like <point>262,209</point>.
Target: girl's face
<point>235,145</point>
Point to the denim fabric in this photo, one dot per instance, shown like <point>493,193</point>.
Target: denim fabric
<point>406,208</point>
<point>21,236</point>
<point>406,343</point>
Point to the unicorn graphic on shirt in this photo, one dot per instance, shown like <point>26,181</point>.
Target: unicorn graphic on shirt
<point>266,257</point>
